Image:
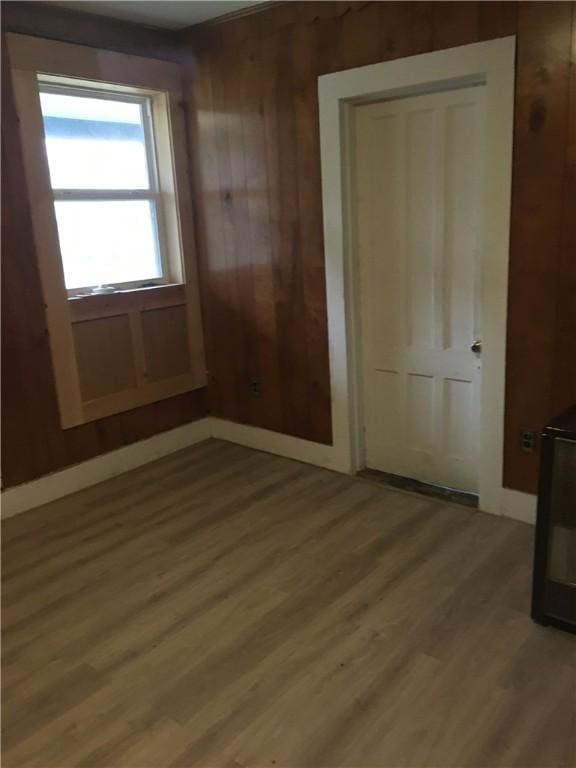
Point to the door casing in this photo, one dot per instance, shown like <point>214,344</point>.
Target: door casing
<point>491,64</point>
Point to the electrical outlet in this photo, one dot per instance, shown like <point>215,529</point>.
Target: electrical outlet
<point>528,440</point>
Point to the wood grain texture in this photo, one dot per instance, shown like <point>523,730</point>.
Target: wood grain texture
<point>70,26</point>
<point>32,440</point>
<point>564,378</point>
<point>252,113</point>
<point>274,57</point>
<point>228,607</point>
<point>541,136</point>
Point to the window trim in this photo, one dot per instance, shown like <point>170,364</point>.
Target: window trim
<point>145,99</point>
<point>32,56</point>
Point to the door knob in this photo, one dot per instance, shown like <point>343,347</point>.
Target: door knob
<point>476,346</point>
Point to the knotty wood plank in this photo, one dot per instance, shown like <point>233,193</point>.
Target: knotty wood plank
<point>291,309</point>
<point>212,272</point>
<point>29,408</point>
<point>394,25</point>
<point>564,378</point>
<point>234,320</point>
<point>455,24</point>
<point>307,164</point>
<point>267,407</point>
<point>540,134</point>
<point>329,45</point>
<point>340,35</point>
<point>496,19</point>
<point>236,206</point>
<point>421,27</point>
<point>359,35</point>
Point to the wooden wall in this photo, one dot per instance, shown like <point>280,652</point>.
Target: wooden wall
<point>254,121</point>
<point>33,443</point>
<point>254,113</point>
<point>41,19</point>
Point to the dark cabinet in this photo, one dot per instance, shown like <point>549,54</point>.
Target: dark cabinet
<point>554,586</point>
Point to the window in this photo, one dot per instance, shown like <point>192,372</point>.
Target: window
<point>101,155</point>
<point>104,150</point>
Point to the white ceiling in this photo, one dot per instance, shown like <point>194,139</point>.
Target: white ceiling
<point>171,14</point>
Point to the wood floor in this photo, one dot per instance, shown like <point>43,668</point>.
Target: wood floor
<point>224,607</point>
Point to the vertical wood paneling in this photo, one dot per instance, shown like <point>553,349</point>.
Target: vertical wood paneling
<point>29,408</point>
<point>293,341</point>
<point>455,24</point>
<point>395,24</point>
<point>269,156</point>
<point>496,19</point>
<point>296,43</point>
<point>359,32</point>
<point>264,369</point>
<point>421,30</point>
<point>254,126</point>
<point>328,45</point>
<point>230,115</point>
<point>305,104</point>
<point>201,123</point>
<point>564,375</point>
<point>540,136</point>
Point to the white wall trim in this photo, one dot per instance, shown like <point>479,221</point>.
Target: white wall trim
<point>108,465</point>
<point>519,506</point>
<point>491,63</point>
<point>100,468</point>
<point>275,442</point>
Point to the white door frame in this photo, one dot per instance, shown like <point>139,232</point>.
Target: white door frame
<point>489,63</point>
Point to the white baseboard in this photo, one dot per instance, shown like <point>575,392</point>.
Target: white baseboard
<point>93,471</point>
<point>100,468</point>
<point>277,443</point>
<point>518,505</point>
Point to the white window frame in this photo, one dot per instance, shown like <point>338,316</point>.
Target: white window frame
<point>50,84</point>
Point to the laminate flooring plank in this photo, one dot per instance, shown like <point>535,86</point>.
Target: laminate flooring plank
<point>226,607</point>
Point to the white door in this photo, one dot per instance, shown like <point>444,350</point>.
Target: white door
<point>417,182</point>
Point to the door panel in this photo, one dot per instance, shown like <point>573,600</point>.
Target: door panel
<point>417,191</point>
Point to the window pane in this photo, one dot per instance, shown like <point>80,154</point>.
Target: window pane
<point>94,143</point>
<point>105,242</point>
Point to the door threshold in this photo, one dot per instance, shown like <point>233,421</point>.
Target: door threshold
<point>453,495</point>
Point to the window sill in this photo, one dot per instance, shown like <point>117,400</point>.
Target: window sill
<point>94,305</point>
<point>123,291</point>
